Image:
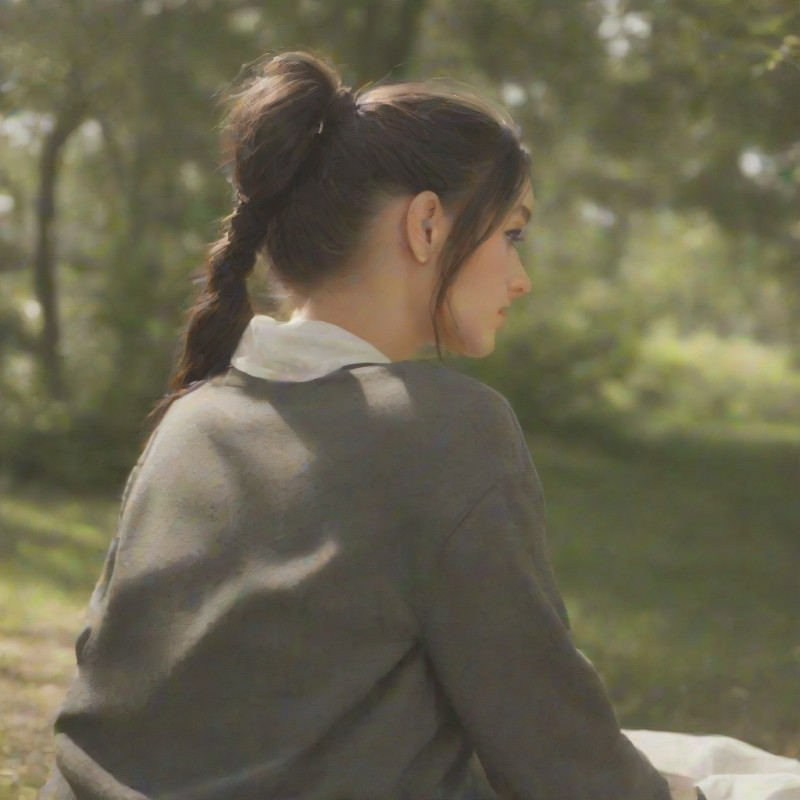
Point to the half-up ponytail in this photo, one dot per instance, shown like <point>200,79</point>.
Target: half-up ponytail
<point>271,130</point>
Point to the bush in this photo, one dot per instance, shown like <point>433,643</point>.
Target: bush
<point>553,362</point>
<point>704,377</point>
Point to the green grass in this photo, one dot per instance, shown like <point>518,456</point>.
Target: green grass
<point>678,559</point>
<point>52,546</point>
<point>679,563</point>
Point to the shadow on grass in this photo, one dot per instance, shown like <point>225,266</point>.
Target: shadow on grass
<point>678,559</point>
<point>54,539</point>
<point>676,518</point>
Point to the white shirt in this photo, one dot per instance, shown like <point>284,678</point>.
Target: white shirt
<point>300,349</point>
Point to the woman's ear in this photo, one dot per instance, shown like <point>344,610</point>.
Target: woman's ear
<point>426,226</point>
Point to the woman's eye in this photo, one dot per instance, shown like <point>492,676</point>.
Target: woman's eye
<point>515,236</point>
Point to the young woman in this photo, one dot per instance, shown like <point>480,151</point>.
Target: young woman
<point>329,578</point>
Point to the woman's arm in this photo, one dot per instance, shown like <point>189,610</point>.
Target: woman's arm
<point>498,637</point>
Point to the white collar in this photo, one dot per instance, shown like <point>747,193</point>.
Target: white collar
<point>300,349</point>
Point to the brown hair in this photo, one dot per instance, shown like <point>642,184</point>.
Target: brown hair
<point>311,160</point>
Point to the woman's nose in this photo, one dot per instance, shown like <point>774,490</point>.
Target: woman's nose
<point>521,283</point>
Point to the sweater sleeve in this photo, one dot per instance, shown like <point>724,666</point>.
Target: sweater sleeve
<point>499,641</point>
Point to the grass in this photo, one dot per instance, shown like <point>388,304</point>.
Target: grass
<point>52,546</point>
<point>679,562</point>
<point>678,559</point>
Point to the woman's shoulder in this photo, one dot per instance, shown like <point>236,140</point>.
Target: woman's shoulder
<point>413,401</point>
<point>439,386</point>
<point>468,418</point>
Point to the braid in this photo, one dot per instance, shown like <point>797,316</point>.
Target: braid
<point>234,256</point>
<point>222,310</point>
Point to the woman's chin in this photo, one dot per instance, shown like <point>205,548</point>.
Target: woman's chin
<point>477,347</point>
<point>485,350</point>
<point>468,341</point>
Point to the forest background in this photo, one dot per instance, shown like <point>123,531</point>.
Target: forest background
<point>655,365</point>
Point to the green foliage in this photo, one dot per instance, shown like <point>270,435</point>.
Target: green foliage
<point>53,445</point>
<point>555,357</point>
<point>705,378</point>
<point>666,166</point>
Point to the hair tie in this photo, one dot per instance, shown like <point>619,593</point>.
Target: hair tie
<point>340,105</point>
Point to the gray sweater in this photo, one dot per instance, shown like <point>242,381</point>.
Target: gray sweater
<point>336,590</point>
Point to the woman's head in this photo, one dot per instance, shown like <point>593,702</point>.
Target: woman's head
<point>313,166</point>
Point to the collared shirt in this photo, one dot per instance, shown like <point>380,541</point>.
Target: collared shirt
<point>300,349</point>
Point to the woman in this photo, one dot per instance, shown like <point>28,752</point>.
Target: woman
<point>329,578</point>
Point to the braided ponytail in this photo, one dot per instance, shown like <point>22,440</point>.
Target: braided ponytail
<point>271,131</point>
<point>223,310</point>
<point>311,163</point>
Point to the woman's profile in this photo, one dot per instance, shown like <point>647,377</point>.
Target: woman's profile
<point>330,578</point>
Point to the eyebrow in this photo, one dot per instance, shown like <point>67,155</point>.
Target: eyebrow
<point>526,212</point>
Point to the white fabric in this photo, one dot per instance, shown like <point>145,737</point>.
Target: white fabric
<point>724,768</point>
<point>300,349</point>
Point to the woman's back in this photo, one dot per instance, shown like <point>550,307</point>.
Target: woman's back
<point>266,590</point>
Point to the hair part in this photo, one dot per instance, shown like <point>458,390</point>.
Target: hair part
<point>311,160</point>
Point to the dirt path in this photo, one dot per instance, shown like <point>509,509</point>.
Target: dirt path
<point>36,668</point>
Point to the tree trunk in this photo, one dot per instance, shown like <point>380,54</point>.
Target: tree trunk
<point>387,36</point>
<point>68,117</point>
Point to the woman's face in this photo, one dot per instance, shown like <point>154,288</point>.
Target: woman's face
<point>490,280</point>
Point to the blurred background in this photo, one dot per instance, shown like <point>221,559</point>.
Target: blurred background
<point>655,365</point>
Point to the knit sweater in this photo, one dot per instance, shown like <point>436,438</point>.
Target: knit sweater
<point>336,588</point>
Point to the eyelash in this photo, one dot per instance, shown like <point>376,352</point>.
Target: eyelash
<point>515,236</point>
